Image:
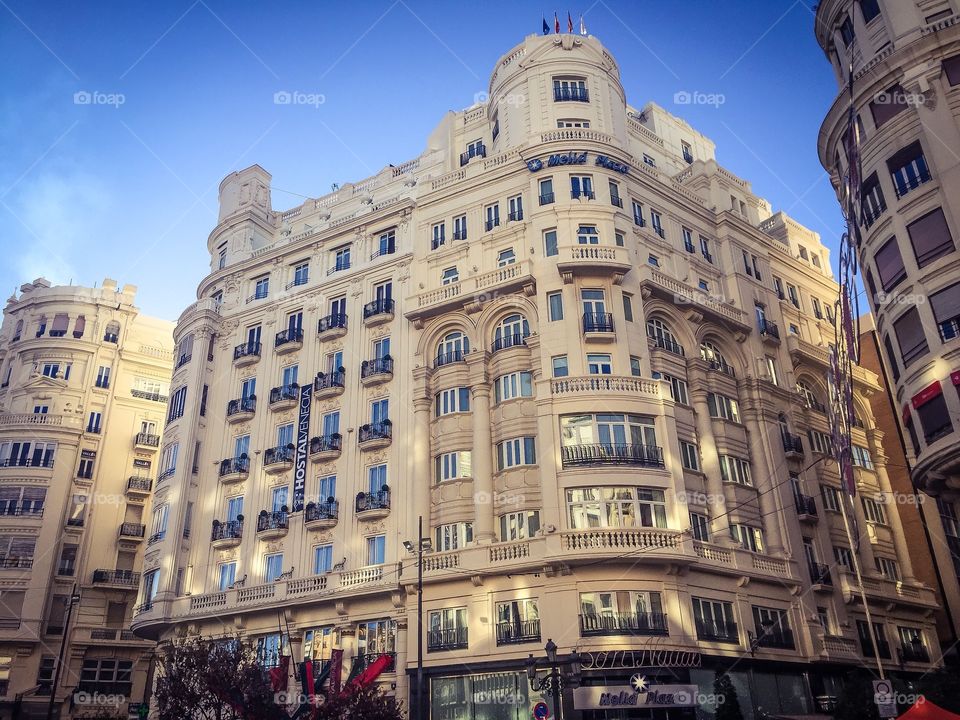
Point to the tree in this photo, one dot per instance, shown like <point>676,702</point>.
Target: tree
<point>370,703</point>
<point>855,701</point>
<point>728,705</point>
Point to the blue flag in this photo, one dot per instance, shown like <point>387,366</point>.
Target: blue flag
<point>546,28</point>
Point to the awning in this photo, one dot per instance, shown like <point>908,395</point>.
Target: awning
<point>60,322</point>
<point>79,326</point>
<point>926,710</point>
<point>927,394</point>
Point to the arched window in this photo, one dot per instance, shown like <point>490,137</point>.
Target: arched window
<point>452,348</point>
<point>512,330</point>
<point>663,336</point>
<point>715,359</point>
<point>809,396</point>
<point>18,330</point>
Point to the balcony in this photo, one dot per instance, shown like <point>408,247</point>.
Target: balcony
<point>321,516</point>
<point>792,445</point>
<point>624,624</point>
<point>515,216</point>
<point>375,435</point>
<point>611,454</point>
<point>587,194</point>
<point>721,366</point>
<point>246,354</point>
<point>373,506</point>
<point>278,459</point>
<point>696,301</point>
<point>449,358</point>
<point>25,509</point>
<point>328,385</point>
<point>332,327</point>
<point>138,488</point>
<point>806,508</point>
<point>717,631</point>
<point>146,441</point>
<point>593,261</point>
<point>769,332</point>
<point>11,563</point>
<point>598,326</point>
<point>132,531</point>
<point>378,311</point>
<point>477,151</point>
<point>241,409</point>
<point>234,469</point>
<point>284,397</point>
<point>272,525</point>
<point>447,639</point>
<point>820,577</point>
<point>151,396</point>
<point>325,447</point>
<point>491,223</point>
<point>504,342</point>
<point>671,346</point>
<point>117,578</point>
<point>288,340</point>
<point>547,198</point>
<point>570,93</point>
<point>226,534</point>
<point>776,637</point>
<point>376,371</point>
<point>913,652</point>
<point>516,633</point>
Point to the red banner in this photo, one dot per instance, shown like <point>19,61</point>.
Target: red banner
<point>372,671</point>
<point>336,671</point>
<point>927,394</point>
<point>955,377</point>
<point>906,414</point>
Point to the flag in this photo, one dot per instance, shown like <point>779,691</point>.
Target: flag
<point>569,22</point>
<point>278,674</point>
<point>336,670</point>
<point>556,24</point>
<point>371,672</point>
<point>583,28</point>
<point>546,28</point>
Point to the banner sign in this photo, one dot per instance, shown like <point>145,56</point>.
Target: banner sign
<point>577,158</point>
<point>303,441</point>
<point>603,697</point>
<point>633,659</point>
<point>336,670</point>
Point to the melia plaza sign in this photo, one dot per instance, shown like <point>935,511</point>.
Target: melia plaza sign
<point>577,158</point>
<point>603,697</point>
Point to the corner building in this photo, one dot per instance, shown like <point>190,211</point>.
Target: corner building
<point>589,357</point>
<point>83,378</point>
<point>906,94</point>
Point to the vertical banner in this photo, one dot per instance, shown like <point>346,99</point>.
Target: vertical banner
<point>303,440</point>
<point>336,671</point>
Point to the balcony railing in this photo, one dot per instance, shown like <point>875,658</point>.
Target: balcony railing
<point>515,216</point>
<point>373,501</point>
<point>717,631</point>
<point>598,322</point>
<point>332,322</point>
<point>325,381</point>
<point>127,578</point>
<point>380,306</point>
<point>570,93</point>
<point>508,341</point>
<point>325,443</point>
<point>25,509</point>
<point>820,574</point>
<point>277,455</point>
<point>867,648</point>
<point>547,198</point>
<point>145,395</point>
<point>277,520</point>
<point>321,511</point>
<point>247,349</point>
<point>671,346</point>
<point>234,465</point>
<point>376,431</point>
<point>242,405</point>
<point>491,223</point>
<point>792,443</point>
<point>377,366</point>
<point>721,366</point>
<point>911,652</point>
<point>903,185</point>
<point>148,439</point>
<point>449,357</point>
<point>806,505</point>
<point>291,335</point>
<point>612,454</point>
<point>448,639</point>
<point>478,151</point>
<point>776,637</point>
<point>339,266</point>
<point>514,633</point>
<point>624,624</point>
<point>35,461</point>
<point>16,562</point>
<point>284,392</point>
<point>139,484</point>
<point>575,194</point>
<point>130,529</point>
<point>769,329</point>
<point>229,530</point>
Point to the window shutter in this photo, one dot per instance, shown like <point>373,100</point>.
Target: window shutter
<point>946,303</point>
<point>889,264</point>
<point>930,237</point>
<point>79,326</point>
<point>60,323</point>
<point>887,105</point>
<point>951,66</point>
<point>910,336</point>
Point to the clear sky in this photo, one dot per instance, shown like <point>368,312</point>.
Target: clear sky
<point>121,180</point>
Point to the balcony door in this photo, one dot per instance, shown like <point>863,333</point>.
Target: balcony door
<point>241,446</point>
<point>248,388</point>
<point>234,508</point>
<point>253,336</point>
<point>593,303</point>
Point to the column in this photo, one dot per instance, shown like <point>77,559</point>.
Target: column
<point>764,482</point>
<point>893,512</point>
<point>710,464</point>
<point>482,464</point>
<point>420,461</point>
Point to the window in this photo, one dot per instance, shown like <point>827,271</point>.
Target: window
<point>376,549</point>
<point>611,431</point>
<point>550,243</point>
<point>51,370</point>
<point>649,160</point>
<point>460,227</point>
<point>624,611</point>
<point>794,298</point>
<point>519,525</point>
<point>518,621</point>
<point>887,567</point>
<point>546,191</point>
<point>599,364</point>
<point>506,257</point>
<point>227,573</point>
<point>615,198</point>
<point>908,169</point>
<point>177,404</point>
<point>946,311</point>
<point>515,206</point>
<point>222,256</point>
<point>747,537</point>
<point>873,511</point>
<point>656,222</point>
<point>870,9</point>
<point>168,460</point>
<point>513,385</point>
<point>637,213</point>
<point>447,629</point>
<point>560,368</point>
<point>771,364</point>
<point>887,105</point>
<point>951,67</point>
<point>573,124</point>
<point>910,336</point>
<point>103,377</point>
<point>830,497</point>
<point>492,213</point>
<point>687,234</point>
<point>735,469</point>
<point>934,418</point>
<point>655,261</point>
<point>85,468</point>
<point>555,306</point>
<point>714,357</point>
<point>635,369</point>
<point>511,331</point>
<point>723,407</point>
<point>687,151</point>
<point>689,456</point>
<point>678,389</point>
<point>778,287</point>
<point>341,258</point>
<point>452,400</point>
<point>450,276</point>
<point>272,567</point>
<point>817,312</point>
<point>714,620</point>
<point>108,676</point>
<point>581,186</point>
<point>616,507</point>
<point>819,442</point>
<point>618,238</point>
<point>700,527</point>
<point>703,285</point>
<point>772,627</point>
<point>93,423</point>
<point>438,234</point>
<point>496,127</point>
<point>587,235</point>
<point>889,264</point>
<point>261,288</point>
<point>628,307</point>
<point>516,452</point>
<point>68,560</point>
<point>453,465</point>
<point>570,90</point>
<point>872,201</point>
<point>322,559</point>
<point>843,557</point>
<point>453,536</point>
<point>930,237</point>
<point>301,274</point>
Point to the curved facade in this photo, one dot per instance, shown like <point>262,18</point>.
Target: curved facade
<point>82,403</point>
<point>592,361</point>
<point>906,59</point>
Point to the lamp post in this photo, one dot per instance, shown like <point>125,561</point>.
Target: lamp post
<point>422,545</point>
<point>555,680</point>
<point>74,600</point>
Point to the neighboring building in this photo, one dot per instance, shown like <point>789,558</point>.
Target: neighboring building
<point>906,93</point>
<point>82,403</point>
<point>930,525</point>
<point>589,357</point>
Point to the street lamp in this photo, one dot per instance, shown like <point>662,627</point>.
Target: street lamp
<point>555,680</point>
<point>421,546</point>
<point>74,600</point>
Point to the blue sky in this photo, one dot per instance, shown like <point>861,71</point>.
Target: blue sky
<point>182,93</point>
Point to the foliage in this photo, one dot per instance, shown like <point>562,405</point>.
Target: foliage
<point>723,687</point>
